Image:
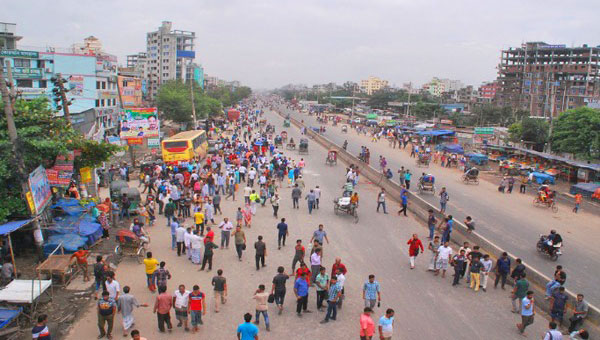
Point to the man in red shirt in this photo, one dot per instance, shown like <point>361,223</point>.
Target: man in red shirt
<point>367,326</point>
<point>162,307</point>
<point>413,249</point>
<point>210,235</point>
<point>196,307</point>
<point>303,269</point>
<point>338,265</point>
<point>81,255</point>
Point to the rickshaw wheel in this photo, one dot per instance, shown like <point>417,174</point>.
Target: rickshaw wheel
<point>119,250</point>
<point>536,201</point>
<point>335,209</point>
<point>141,254</point>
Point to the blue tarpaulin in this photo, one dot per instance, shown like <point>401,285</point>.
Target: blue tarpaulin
<point>70,243</point>
<point>451,148</point>
<point>477,158</point>
<point>585,189</point>
<point>9,227</point>
<point>435,133</point>
<point>540,178</point>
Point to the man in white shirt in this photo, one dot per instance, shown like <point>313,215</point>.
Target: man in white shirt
<point>247,192</point>
<point>226,227</point>
<point>317,192</point>
<point>251,177</point>
<point>444,256</point>
<point>553,333</point>
<point>196,242</point>
<point>341,279</point>
<point>187,240</point>
<point>180,302</point>
<point>315,265</point>
<point>112,286</point>
<point>487,267</point>
<point>180,239</point>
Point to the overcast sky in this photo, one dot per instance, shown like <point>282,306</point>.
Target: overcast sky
<point>268,44</point>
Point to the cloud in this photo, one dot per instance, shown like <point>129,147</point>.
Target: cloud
<point>269,43</point>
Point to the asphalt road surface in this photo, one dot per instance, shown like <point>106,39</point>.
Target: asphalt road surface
<point>510,221</point>
<point>426,306</point>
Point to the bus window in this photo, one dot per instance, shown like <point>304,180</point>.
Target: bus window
<point>175,145</point>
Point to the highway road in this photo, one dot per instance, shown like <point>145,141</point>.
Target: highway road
<point>427,307</point>
<point>510,221</point>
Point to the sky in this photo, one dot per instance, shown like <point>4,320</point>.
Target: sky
<point>270,43</point>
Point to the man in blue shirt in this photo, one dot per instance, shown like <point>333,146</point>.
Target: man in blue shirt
<point>301,291</point>
<point>246,330</point>
<point>448,229</point>
<point>174,226</point>
<point>283,232</point>
<point>527,312</point>
<point>502,269</point>
<point>404,202</point>
<point>334,293</point>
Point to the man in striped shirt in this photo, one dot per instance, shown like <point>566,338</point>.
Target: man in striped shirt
<point>40,331</point>
<point>335,292</point>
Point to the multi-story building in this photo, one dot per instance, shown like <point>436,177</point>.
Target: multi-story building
<point>488,90</point>
<point>130,87</point>
<point>169,55</point>
<point>8,37</point>
<point>438,86</point>
<point>548,79</point>
<point>372,84</point>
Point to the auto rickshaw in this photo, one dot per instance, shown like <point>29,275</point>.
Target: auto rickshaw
<point>303,146</point>
<point>278,141</point>
<point>116,187</point>
<point>134,196</point>
<point>286,123</point>
<point>331,157</point>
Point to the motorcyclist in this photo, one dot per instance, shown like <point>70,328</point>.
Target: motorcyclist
<point>552,239</point>
<point>345,145</point>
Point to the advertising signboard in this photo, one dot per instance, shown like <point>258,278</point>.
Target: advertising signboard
<point>139,123</point>
<point>40,188</point>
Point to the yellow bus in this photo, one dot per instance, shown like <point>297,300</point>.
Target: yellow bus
<point>185,146</point>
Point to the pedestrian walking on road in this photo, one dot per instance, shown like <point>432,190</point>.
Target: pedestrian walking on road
<point>261,252</point>
<point>433,246</point>
<point>296,194</point>
<point>319,235</point>
<point>126,303</point>
<point>162,275</point>
<point>196,243</point>
<point>261,297</point>
<point>446,226</point>
<point>317,192</point>
<point>381,200</point>
<point>246,330</point>
<point>181,299</point>
<point>151,264</point>
<point>386,325</point>
<point>401,174</point>
<point>413,250</point>
<point>240,241</point>
<point>578,199</point>
<point>407,177</point>
<point>523,186</point>
<point>299,252</point>
<point>219,284</point>
<point>199,220</point>
<point>367,326</point>
<point>226,228</point>
<point>502,269</point>
<point>278,289</point>
<point>196,307</point>
<point>107,308</point>
<point>333,295</point>
<point>301,292</point>
<point>180,239</point>
<point>310,199</point>
<point>443,200</point>
<point>527,312</point>
<point>403,203</point>
<point>208,253</point>
<point>371,292</point>
<point>162,307</point>
<point>519,292</point>
<point>275,204</point>
<point>282,233</point>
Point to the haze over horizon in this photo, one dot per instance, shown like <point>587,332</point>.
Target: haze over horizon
<point>267,44</point>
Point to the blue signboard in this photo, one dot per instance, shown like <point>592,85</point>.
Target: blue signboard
<point>186,54</point>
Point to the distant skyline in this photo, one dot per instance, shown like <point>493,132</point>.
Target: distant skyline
<point>268,44</point>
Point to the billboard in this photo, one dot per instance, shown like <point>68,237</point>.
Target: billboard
<point>139,123</point>
<point>76,85</point>
<point>60,175</point>
<point>40,188</point>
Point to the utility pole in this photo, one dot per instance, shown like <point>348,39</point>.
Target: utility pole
<point>61,95</point>
<point>193,104</point>
<point>353,91</point>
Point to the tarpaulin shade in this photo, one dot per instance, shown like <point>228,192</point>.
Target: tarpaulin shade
<point>9,227</point>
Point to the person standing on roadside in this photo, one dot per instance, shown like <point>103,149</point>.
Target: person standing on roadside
<point>485,271</point>
<point>458,261</point>
<point>381,200</point>
<point>519,292</point>
<point>322,282</point>
<point>196,307</point>
<point>371,292</point>
<point>558,303</point>
<point>296,194</point>
<point>162,307</point>
<point>278,288</point>
<point>219,284</point>
<point>180,303</point>
<point>527,312</point>
<point>301,292</point>
<point>580,311</point>
<point>444,257</point>
<point>431,222</point>
<point>226,228</point>
<point>180,239</point>
<point>282,233</point>
<point>443,200</point>
<point>107,308</point>
<point>367,326</point>
<point>310,199</point>
<point>413,250</point>
<point>261,252</point>
<point>299,252</point>
<point>502,269</point>
<point>407,177</point>
<point>240,241</point>
<point>475,272</point>
<point>386,325</point>
<point>315,265</point>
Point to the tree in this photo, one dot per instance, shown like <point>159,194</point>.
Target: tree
<point>42,137</point>
<point>229,96</point>
<point>577,132</point>
<point>174,100</point>
<point>530,130</point>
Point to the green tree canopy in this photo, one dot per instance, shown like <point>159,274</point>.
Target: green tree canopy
<point>174,100</point>
<point>577,132</point>
<point>42,137</point>
<point>530,130</point>
<point>229,96</point>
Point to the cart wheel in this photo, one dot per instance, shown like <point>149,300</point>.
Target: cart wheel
<point>420,190</point>
<point>141,254</point>
<point>118,250</point>
<point>554,207</point>
<point>433,191</point>
<point>536,201</point>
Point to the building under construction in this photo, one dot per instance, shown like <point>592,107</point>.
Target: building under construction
<point>548,79</point>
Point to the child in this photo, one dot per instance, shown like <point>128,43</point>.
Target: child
<point>81,259</point>
<point>239,217</point>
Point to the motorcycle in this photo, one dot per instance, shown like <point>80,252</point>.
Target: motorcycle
<point>548,248</point>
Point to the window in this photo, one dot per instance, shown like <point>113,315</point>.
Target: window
<point>97,85</point>
<point>42,84</point>
<point>102,102</point>
<point>22,62</point>
<point>97,103</point>
<point>25,83</point>
<point>103,83</point>
<point>114,101</point>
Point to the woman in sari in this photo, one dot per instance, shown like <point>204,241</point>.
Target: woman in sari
<point>247,212</point>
